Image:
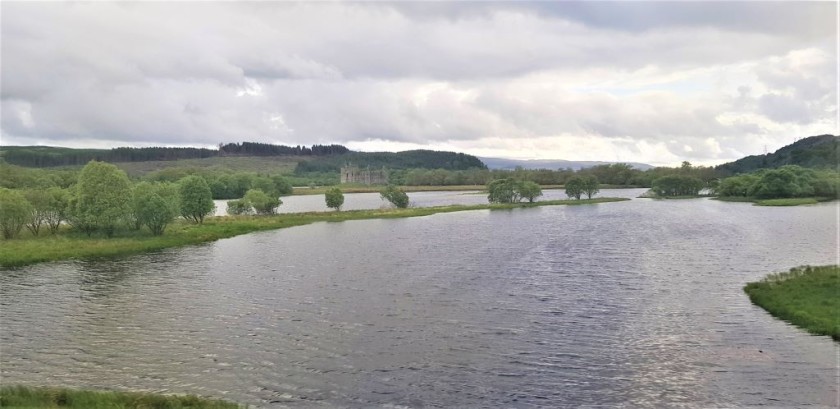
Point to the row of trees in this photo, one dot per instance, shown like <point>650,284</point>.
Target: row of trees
<point>266,149</point>
<point>784,182</point>
<point>43,156</point>
<point>104,200</point>
<point>617,174</point>
<point>512,190</point>
<point>577,186</point>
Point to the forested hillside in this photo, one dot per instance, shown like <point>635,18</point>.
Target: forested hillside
<point>416,159</point>
<point>47,156</point>
<point>812,152</point>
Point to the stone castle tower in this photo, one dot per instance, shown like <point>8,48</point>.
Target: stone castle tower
<point>366,176</point>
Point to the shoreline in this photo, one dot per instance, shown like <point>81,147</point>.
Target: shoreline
<point>804,296</point>
<point>75,246</point>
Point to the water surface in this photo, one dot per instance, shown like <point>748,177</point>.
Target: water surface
<point>633,303</point>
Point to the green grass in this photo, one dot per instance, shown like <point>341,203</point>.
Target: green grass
<point>808,297</point>
<point>70,245</point>
<point>796,201</point>
<point>793,201</point>
<point>27,397</point>
<point>257,164</point>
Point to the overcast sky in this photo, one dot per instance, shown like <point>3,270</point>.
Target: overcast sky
<point>645,82</point>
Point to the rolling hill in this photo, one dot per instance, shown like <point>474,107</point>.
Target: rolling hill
<point>813,152</point>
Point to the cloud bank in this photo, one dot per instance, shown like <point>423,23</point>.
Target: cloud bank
<point>645,82</point>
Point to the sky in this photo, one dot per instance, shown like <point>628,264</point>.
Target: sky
<point>650,82</point>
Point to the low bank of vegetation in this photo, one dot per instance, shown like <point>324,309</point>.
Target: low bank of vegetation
<point>20,397</point>
<point>808,297</point>
<point>76,245</point>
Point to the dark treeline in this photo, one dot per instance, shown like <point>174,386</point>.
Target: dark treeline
<point>265,149</point>
<point>421,159</point>
<point>45,156</point>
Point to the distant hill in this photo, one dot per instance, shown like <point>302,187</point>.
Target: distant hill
<point>501,163</point>
<point>247,156</point>
<point>812,152</point>
<point>424,159</point>
<point>47,156</point>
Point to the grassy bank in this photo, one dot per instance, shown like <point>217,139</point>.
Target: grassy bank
<point>30,250</point>
<point>793,201</point>
<point>20,397</point>
<point>808,297</point>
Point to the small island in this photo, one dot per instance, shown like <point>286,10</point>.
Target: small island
<point>808,297</point>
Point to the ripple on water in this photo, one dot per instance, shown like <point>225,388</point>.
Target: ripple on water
<point>636,303</point>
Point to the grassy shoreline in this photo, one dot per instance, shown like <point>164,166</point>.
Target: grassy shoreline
<point>25,251</point>
<point>794,201</point>
<point>21,397</point>
<point>808,297</point>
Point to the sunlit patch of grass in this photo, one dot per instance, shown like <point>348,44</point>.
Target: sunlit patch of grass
<point>794,201</point>
<point>21,397</point>
<point>72,245</point>
<point>808,297</point>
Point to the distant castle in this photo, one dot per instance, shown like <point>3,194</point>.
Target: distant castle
<point>367,176</point>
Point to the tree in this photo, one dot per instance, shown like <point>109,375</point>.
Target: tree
<point>281,185</point>
<point>503,191</point>
<point>196,199</point>
<point>57,208</point>
<point>574,187</point>
<point>15,211</point>
<point>104,197</point>
<point>787,181</point>
<point>40,201</point>
<point>261,202</point>
<point>590,186</point>
<point>239,207</point>
<point>156,206</point>
<point>395,195</point>
<point>530,190</point>
<point>677,185</point>
<point>334,198</point>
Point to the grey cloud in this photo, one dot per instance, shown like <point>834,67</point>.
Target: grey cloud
<point>203,73</point>
<point>783,108</point>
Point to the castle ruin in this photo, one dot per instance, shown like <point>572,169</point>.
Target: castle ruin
<point>366,176</point>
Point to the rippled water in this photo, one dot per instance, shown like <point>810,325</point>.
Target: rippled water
<point>633,303</point>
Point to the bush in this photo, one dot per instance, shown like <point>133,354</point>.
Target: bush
<point>261,202</point>
<point>395,195</point>
<point>334,198</point>
<point>15,212</point>
<point>196,199</point>
<point>239,207</point>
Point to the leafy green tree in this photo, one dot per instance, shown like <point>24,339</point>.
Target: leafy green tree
<point>261,202</point>
<point>574,187</point>
<point>104,197</point>
<point>530,190</point>
<point>740,185</point>
<point>395,195</point>
<point>281,185</point>
<point>239,207</point>
<point>677,185</point>
<point>156,205</point>
<point>57,209</point>
<point>15,212</point>
<point>787,181</point>
<point>503,191</point>
<point>196,199</point>
<point>590,186</point>
<point>40,201</point>
<point>334,198</point>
